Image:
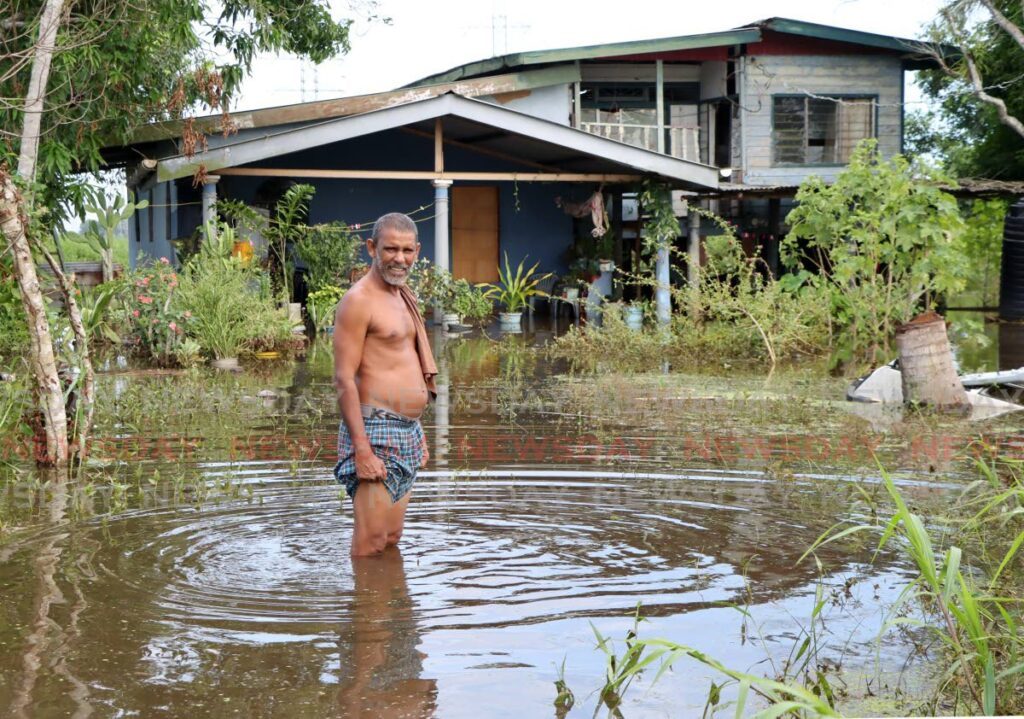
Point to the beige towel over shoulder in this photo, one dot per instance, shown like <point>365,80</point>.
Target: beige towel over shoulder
<point>422,343</point>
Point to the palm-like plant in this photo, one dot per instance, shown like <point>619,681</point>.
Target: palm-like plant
<point>514,290</point>
<point>109,214</point>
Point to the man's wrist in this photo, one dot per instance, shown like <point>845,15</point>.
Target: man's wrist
<point>362,448</point>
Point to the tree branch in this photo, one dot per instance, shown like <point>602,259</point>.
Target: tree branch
<point>1004,22</point>
<point>979,91</point>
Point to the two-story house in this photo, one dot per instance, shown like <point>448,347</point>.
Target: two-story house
<point>493,151</point>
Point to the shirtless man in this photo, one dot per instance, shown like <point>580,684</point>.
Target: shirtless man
<point>383,370</point>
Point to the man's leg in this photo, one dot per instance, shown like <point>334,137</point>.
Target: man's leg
<point>371,506</point>
<point>396,519</point>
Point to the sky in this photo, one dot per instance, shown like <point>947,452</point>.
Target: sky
<point>425,37</point>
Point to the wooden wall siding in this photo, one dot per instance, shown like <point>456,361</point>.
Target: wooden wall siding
<point>765,76</point>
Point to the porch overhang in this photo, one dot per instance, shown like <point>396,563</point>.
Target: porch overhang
<point>545,150</point>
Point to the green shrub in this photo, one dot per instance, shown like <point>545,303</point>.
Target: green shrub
<point>321,304</point>
<point>469,302</point>
<point>882,240</point>
<point>155,320</point>
<point>13,326</point>
<point>331,252</point>
<point>229,306</point>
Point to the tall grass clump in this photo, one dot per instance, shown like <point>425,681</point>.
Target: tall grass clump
<point>230,306</point>
<point>972,599</point>
<point>735,312</point>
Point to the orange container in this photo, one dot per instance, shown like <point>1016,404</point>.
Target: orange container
<point>243,250</point>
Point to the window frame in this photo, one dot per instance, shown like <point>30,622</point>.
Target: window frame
<point>873,97</point>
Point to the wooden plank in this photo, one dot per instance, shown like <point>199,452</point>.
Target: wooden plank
<point>427,175</point>
<point>438,146</point>
<point>475,233</point>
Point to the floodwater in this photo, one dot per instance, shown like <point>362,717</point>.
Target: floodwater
<point>203,570</point>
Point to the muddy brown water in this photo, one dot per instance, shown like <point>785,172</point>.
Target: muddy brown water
<point>204,571</point>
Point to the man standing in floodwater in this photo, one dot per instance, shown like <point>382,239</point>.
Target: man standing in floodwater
<point>383,371</point>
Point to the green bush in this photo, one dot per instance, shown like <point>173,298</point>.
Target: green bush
<point>155,322</point>
<point>331,252</point>
<point>229,306</point>
<point>469,302</point>
<point>13,327</point>
<point>321,304</point>
<point>883,243</point>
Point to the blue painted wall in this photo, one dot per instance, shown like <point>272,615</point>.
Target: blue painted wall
<point>530,224</point>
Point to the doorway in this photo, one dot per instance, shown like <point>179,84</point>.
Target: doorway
<point>475,233</point>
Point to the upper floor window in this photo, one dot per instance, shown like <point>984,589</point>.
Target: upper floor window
<point>627,112</point>
<point>819,130</point>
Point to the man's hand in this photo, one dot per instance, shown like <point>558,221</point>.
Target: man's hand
<point>370,467</point>
<point>426,453</point>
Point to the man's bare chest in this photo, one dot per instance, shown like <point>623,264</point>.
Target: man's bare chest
<point>392,327</point>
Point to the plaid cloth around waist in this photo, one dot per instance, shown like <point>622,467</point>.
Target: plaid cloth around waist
<point>397,442</point>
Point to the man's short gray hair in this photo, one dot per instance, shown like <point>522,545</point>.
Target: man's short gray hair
<point>395,221</point>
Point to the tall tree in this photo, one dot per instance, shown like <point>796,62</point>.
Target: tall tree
<point>980,88</point>
<point>78,75</point>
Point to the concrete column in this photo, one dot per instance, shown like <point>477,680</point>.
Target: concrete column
<point>659,74</point>
<point>693,247</point>
<point>441,251</point>
<point>662,298</point>
<point>210,198</point>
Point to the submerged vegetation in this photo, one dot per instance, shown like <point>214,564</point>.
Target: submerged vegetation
<point>966,595</point>
<point>863,255</point>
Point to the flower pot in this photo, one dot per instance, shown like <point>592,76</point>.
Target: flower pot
<point>226,363</point>
<point>634,317</point>
<point>510,321</point>
<point>606,266</point>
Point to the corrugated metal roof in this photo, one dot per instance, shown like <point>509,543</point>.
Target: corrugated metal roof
<point>354,104</point>
<point>737,36</point>
<point>483,125</point>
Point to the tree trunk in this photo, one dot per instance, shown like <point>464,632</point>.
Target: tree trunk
<point>926,364</point>
<point>35,98</point>
<point>82,422</point>
<point>107,257</point>
<point>48,392</point>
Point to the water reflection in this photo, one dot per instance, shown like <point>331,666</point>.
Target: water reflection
<point>551,502</point>
<point>380,665</point>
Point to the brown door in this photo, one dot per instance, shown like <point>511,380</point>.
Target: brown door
<point>475,233</point>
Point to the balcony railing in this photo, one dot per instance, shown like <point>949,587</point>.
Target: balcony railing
<point>683,141</point>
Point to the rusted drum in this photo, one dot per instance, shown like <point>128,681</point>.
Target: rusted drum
<point>926,364</point>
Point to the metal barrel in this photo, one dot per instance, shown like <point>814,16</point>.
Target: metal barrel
<point>1011,281</point>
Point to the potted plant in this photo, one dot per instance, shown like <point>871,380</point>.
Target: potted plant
<point>469,303</point>
<point>633,314</point>
<point>513,291</point>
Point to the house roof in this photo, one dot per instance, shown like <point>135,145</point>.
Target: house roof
<point>749,34</point>
<point>355,104</point>
<point>472,124</point>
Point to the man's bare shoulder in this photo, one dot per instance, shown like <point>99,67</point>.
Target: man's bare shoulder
<point>355,307</point>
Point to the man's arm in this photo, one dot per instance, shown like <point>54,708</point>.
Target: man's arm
<point>351,323</point>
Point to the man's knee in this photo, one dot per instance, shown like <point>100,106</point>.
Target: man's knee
<point>370,543</point>
<point>393,538</point>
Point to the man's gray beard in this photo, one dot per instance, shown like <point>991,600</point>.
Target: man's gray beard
<point>382,271</point>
